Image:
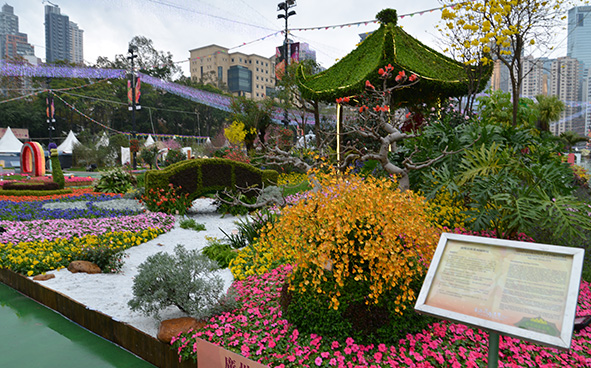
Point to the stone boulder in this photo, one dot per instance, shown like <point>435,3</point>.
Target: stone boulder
<point>45,277</point>
<point>172,327</point>
<point>83,266</point>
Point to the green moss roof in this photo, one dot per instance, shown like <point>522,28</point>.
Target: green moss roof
<point>440,76</point>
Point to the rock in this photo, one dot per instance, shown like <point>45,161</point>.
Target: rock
<point>45,277</point>
<point>172,327</point>
<point>83,266</point>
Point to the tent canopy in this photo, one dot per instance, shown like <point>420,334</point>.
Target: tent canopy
<point>149,141</point>
<point>68,144</point>
<point>10,143</point>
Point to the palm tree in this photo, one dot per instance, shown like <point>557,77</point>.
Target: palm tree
<point>550,108</point>
<point>571,138</point>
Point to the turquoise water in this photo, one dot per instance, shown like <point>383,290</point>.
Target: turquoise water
<point>34,336</point>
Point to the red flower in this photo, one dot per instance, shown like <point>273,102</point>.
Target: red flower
<point>339,100</point>
<point>413,78</point>
<point>369,85</point>
<point>346,99</point>
<point>389,67</point>
<point>400,76</point>
<point>381,71</point>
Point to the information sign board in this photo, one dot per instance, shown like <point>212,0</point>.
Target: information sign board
<point>524,290</point>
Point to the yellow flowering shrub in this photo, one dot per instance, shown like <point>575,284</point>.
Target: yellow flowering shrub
<point>365,230</point>
<point>31,258</point>
<point>446,210</point>
<point>292,179</point>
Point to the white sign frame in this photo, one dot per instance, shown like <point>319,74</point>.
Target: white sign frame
<point>563,341</point>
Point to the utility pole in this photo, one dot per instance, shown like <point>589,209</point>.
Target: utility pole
<point>132,84</point>
<point>285,6</point>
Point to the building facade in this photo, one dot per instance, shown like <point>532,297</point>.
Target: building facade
<point>565,82</point>
<point>14,45</point>
<point>579,34</point>
<point>76,44</point>
<point>535,79</point>
<point>57,35</point>
<point>252,76</point>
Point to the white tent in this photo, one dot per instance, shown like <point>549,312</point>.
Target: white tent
<point>68,144</point>
<point>103,140</point>
<point>149,141</point>
<point>10,143</point>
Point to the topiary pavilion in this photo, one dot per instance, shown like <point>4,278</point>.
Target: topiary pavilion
<point>440,76</point>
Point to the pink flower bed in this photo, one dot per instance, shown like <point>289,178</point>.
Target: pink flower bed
<point>258,331</point>
<point>39,230</point>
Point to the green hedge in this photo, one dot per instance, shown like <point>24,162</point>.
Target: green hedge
<point>37,193</point>
<point>200,176</point>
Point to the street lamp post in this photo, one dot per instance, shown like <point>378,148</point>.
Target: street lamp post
<point>131,57</point>
<point>285,6</point>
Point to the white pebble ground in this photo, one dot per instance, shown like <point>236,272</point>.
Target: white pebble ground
<point>109,293</point>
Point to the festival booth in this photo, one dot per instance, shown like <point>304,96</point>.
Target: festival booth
<point>10,149</point>
<point>65,150</point>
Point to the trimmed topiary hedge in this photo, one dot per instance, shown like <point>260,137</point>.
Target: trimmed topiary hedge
<point>37,193</point>
<point>200,176</point>
<point>31,186</point>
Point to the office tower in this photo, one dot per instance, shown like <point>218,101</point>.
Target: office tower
<point>57,35</point>
<point>76,44</point>
<point>251,75</point>
<point>579,34</point>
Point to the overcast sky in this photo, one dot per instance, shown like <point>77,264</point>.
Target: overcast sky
<point>181,25</point>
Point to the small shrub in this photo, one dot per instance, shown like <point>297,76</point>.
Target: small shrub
<point>361,247</point>
<point>114,181</point>
<point>185,280</point>
<point>108,259</point>
<point>189,223</point>
<point>170,201</point>
<point>220,252</point>
<point>173,156</point>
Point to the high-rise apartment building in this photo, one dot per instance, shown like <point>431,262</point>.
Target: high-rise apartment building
<point>579,34</point>
<point>58,45</point>
<point>252,75</point>
<point>13,44</point>
<point>76,44</point>
<point>565,82</point>
<point>535,78</point>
